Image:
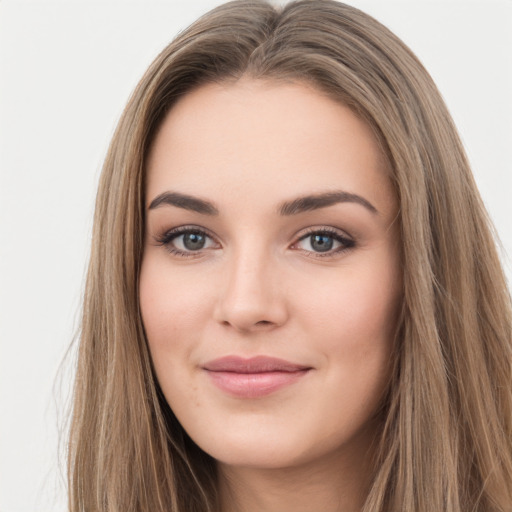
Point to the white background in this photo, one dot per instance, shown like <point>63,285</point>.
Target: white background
<point>66,70</point>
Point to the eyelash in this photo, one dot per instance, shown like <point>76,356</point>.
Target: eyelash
<point>168,237</point>
<point>345,242</point>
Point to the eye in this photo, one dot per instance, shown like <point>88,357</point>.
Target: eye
<point>324,242</point>
<point>186,241</point>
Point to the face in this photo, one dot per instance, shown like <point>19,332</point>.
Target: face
<point>270,280</point>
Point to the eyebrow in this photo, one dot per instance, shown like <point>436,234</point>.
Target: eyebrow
<point>293,207</point>
<point>323,200</point>
<point>184,201</point>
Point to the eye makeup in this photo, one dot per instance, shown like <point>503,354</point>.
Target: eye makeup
<point>193,241</point>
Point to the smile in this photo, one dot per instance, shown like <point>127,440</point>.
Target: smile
<point>254,377</point>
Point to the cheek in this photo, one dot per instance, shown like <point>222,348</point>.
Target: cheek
<point>174,313</point>
<point>357,303</point>
<point>170,303</point>
<point>355,322</point>
<point>354,317</point>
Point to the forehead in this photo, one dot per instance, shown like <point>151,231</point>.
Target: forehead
<point>265,141</point>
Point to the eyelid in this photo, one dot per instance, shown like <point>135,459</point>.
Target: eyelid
<point>323,229</point>
<point>166,238</point>
<point>347,241</point>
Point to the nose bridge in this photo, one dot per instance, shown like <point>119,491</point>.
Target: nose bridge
<point>250,296</point>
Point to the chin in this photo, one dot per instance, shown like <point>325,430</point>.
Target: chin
<point>280,447</point>
<point>271,456</point>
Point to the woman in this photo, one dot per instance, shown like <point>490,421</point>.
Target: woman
<point>294,299</point>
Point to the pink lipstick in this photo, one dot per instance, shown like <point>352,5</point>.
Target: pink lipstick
<point>254,377</point>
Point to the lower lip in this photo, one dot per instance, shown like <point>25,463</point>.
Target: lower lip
<point>254,385</point>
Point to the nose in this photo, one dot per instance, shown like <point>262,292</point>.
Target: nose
<point>252,297</point>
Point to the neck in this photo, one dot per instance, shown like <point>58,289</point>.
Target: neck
<point>337,483</point>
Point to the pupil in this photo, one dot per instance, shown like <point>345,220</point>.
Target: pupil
<point>193,241</point>
<point>322,243</point>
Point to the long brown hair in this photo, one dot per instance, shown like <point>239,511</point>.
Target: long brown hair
<point>447,439</point>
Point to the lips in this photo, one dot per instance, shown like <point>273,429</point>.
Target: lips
<point>254,377</point>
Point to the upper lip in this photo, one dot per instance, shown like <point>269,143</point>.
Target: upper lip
<point>258,364</point>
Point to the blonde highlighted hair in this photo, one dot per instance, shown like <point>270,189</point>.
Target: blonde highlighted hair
<point>446,444</point>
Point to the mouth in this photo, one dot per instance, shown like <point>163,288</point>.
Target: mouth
<point>254,377</point>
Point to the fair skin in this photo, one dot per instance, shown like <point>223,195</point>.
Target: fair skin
<point>235,275</point>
